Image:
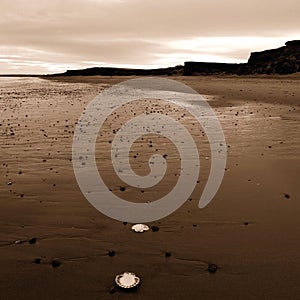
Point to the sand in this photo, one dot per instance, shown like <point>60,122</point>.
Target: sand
<point>250,230</point>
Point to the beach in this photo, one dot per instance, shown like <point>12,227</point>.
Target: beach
<point>55,245</point>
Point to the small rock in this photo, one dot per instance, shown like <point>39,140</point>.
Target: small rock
<point>212,268</point>
<point>32,241</point>
<point>168,254</point>
<point>246,223</point>
<point>155,228</point>
<point>287,196</point>
<point>55,263</point>
<point>37,261</point>
<point>112,290</point>
<point>111,253</point>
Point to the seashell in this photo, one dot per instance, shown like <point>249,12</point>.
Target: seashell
<point>127,280</point>
<point>19,242</point>
<point>140,227</point>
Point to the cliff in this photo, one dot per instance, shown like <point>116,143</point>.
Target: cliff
<point>108,71</point>
<point>207,68</point>
<point>283,60</point>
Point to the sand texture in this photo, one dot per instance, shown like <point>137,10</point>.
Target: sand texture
<point>55,245</point>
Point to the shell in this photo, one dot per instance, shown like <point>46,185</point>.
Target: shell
<point>140,227</point>
<point>127,280</point>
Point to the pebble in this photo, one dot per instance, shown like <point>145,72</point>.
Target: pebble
<point>212,268</point>
<point>32,241</point>
<point>155,228</point>
<point>37,261</point>
<point>168,254</point>
<point>55,263</point>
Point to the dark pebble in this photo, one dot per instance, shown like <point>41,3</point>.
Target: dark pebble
<point>111,253</point>
<point>287,196</point>
<point>37,261</point>
<point>55,263</point>
<point>155,228</point>
<point>246,223</point>
<point>168,254</point>
<point>212,268</point>
<point>122,188</point>
<point>32,241</point>
<point>112,290</point>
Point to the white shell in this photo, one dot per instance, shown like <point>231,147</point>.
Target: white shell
<point>19,242</point>
<point>140,227</point>
<point>127,280</point>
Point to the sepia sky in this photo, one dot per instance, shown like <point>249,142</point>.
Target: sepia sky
<point>48,36</point>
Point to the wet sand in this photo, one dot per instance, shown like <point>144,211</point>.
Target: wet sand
<point>250,230</point>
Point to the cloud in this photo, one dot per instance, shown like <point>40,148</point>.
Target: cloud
<point>141,33</point>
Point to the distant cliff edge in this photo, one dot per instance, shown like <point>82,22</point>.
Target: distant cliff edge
<point>283,60</point>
